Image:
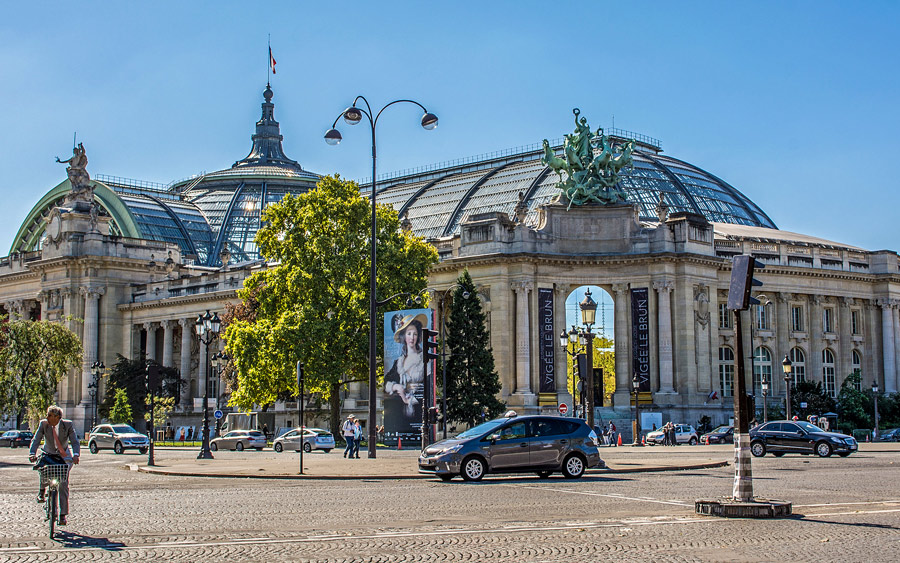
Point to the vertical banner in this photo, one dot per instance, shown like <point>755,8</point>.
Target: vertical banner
<point>640,336</point>
<point>546,341</point>
<point>404,375</point>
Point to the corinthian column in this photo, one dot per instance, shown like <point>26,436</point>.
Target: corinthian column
<point>168,337</point>
<point>89,343</point>
<point>523,341</point>
<point>151,340</point>
<point>623,343</point>
<point>887,339</point>
<point>664,316</point>
<point>187,329</point>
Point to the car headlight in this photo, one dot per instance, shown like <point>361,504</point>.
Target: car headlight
<point>451,449</point>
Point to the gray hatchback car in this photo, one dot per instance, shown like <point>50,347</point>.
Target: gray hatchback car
<point>515,444</point>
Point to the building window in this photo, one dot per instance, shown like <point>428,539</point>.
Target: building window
<point>797,318</point>
<point>854,322</point>
<point>828,319</point>
<point>212,386</point>
<point>856,364</point>
<point>724,316</point>
<point>726,371</point>
<point>828,372</point>
<point>762,369</point>
<point>798,367</point>
<point>763,317</point>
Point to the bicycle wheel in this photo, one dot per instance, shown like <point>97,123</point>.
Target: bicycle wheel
<point>52,510</point>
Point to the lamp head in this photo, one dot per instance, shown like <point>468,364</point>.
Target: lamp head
<point>201,329</point>
<point>352,115</point>
<point>563,339</point>
<point>215,324</point>
<point>429,121</point>
<point>333,137</point>
<point>786,366</point>
<point>875,388</point>
<point>588,310</point>
<point>635,383</point>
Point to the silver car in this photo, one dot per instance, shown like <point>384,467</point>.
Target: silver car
<point>543,444</point>
<point>239,440</point>
<point>313,439</point>
<point>117,437</point>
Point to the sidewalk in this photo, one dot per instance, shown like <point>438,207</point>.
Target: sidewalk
<point>393,464</point>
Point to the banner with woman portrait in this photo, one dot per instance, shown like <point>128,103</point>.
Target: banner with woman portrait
<point>404,374</point>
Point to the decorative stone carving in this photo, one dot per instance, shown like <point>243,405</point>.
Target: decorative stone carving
<point>701,300</point>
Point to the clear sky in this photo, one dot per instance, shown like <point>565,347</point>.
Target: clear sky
<point>793,103</point>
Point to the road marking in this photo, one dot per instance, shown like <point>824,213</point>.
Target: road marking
<point>848,503</point>
<point>609,495</point>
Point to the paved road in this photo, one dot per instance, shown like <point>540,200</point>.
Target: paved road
<point>848,510</point>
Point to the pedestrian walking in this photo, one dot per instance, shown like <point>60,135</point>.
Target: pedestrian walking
<point>612,433</point>
<point>357,438</point>
<point>347,431</point>
<point>265,431</point>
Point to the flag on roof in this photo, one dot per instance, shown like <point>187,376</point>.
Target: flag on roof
<point>271,61</point>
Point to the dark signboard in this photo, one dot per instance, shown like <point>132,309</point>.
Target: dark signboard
<point>546,340</point>
<point>640,335</point>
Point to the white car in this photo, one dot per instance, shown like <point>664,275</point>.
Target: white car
<point>313,438</point>
<point>684,434</point>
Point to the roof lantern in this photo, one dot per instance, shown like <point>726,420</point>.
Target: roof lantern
<point>267,149</point>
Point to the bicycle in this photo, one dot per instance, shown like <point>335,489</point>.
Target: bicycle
<point>51,478</point>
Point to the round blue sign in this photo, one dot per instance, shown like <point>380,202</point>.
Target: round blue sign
<point>218,414</point>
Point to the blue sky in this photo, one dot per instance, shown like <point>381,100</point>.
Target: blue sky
<point>793,103</point>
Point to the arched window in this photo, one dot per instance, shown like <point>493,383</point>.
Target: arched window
<point>726,371</point>
<point>762,369</point>
<point>798,367</point>
<point>856,365</point>
<point>828,372</point>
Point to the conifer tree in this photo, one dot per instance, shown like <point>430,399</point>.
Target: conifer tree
<point>472,382</point>
<point>121,409</point>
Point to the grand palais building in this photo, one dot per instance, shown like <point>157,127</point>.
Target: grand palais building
<point>141,270</point>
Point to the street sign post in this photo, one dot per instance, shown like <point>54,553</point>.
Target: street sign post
<point>218,414</point>
<point>563,409</point>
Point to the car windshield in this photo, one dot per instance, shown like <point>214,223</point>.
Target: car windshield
<point>123,429</point>
<point>482,428</point>
<point>808,427</point>
<point>721,429</point>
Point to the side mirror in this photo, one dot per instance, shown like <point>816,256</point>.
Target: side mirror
<point>494,438</point>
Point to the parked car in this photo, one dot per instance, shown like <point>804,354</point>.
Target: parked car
<point>118,438</point>
<point>16,438</point>
<point>313,439</point>
<point>239,440</point>
<point>786,436</point>
<point>722,435</point>
<point>543,444</point>
<point>890,436</point>
<point>684,434</point>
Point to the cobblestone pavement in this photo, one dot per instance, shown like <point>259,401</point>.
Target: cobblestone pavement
<point>845,510</point>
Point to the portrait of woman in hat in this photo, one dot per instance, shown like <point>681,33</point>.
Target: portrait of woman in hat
<point>405,377</point>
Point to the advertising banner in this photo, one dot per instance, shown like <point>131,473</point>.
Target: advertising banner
<point>546,340</point>
<point>404,374</point>
<point>640,335</point>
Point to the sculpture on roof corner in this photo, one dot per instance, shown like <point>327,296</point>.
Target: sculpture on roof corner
<point>591,164</point>
<point>82,195</point>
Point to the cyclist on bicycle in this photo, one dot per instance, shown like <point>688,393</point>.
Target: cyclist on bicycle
<point>55,432</point>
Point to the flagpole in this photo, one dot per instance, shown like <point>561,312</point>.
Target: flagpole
<point>269,63</point>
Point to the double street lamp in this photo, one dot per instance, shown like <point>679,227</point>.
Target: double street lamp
<point>94,388</point>
<point>352,116</point>
<point>875,397</point>
<point>219,361</point>
<point>586,338</point>
<point>566,338</point>
<point>765,394</point>
<point>207,330</point>
<point>786,366</point>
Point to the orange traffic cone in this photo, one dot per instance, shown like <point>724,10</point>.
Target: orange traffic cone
<point>643,440</point>
<point>399,443</point>
<point>867,437</point>
<point>619,441</point>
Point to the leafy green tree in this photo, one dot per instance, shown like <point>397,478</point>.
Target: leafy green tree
<point>855,407</point>
<point>811,393</point>
<point>120,413</point>
<point>130,377</point>
<point>34,357</point>
<point>313,304</point>
<point>472,382</point>
<point>162,408</point>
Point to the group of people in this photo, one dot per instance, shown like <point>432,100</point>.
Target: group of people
<point>669,437</point>
<point>609,434</point>
<point>352,431</point>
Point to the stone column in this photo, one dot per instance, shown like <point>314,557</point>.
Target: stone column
<point>873,359</point>
<point>782,341</point>
<point>664,316</point>
<point>563,360</point>
<point>523,340</point>
<point>622,336</point>
<point>896,383</point>
<point>89,343</point>
<point>816,332</point>
<point>845,343</point>
<point>168,342</point>
<point>890,351</point>
<point>187,330</point>
<point>702,327</point>
<point>151,340</point>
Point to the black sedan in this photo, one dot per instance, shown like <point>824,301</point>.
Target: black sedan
<point>890,436</point>
<point>786,436</point>
<point>722,435</point>
<point>16,438</point>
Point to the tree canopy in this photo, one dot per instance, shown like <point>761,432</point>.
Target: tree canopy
<point>130,377</point>
<point>34,358</point>
<point>312,305</point>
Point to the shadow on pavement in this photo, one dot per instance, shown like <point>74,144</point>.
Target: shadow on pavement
<point>72,540</point>
<point>802,518</point>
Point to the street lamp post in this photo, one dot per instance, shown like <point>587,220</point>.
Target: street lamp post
<point>94,387</point>
<point>786,366</point>
<point>636,385</point>
<point>875,397</point>
<point>353,115</point>
<point>219,361</point>
<point>765,394</point>
<point>588,316</point>
<point>566,338</point>
<point>207,331</point>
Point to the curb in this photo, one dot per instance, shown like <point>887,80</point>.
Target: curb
<point>594,472</point>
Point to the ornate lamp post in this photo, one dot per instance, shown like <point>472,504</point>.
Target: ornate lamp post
<point>566,338</point>
<point>765,394</point>
<point>786,366</point>
<point>588,316</point>
<point>207,330</point>
<point>875,397</point>
<point>636,386</point>
<point>94,387</point>
<point>353,115</point>
<point>219,361</point>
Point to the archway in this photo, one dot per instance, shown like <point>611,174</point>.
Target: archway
<point>604,354</point>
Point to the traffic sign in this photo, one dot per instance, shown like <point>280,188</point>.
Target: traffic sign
<point>563,409</point>
<point>218,414</point>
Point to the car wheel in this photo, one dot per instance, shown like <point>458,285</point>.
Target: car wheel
<point>118,448</point>
<point>327,450</point>
<point>693,441</point>
<point>473,469</point>
<point>758,449</point>
<point>239,446</point>
<point>278,447</point>
<point>307,447</point>
<point>543,474</point>
<point>777,454</point>
<point>93,447</point>
<point>445,478</point>
<point>142,450</point>
<point>823,449</point>
<point>573,467</point>
<point>214,447</point>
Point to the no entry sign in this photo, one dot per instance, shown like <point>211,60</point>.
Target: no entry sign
<point>563,408</point>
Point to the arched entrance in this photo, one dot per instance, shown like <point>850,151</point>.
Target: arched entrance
<point>603,351</point>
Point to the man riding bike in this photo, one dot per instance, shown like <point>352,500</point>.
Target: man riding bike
<point>55,432</point>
